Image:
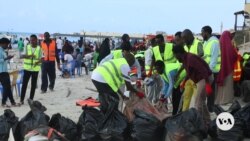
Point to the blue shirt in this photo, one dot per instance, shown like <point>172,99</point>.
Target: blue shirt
<point>215,50</point>
<point>168,86</point>
<point>3,63</point>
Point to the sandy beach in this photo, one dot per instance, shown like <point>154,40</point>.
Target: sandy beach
<point>62,99</point>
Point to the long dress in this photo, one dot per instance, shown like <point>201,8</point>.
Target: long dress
<point>225,93</point>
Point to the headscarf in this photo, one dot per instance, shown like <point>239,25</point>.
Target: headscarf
<point>104,50</point>
<point>228,57</point>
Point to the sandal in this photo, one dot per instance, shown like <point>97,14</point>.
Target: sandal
<point>5,106</point>
<point>16,104</point>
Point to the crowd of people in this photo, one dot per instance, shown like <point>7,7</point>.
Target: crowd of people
<point>187,69</point>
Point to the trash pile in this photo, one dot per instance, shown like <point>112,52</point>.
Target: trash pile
<point>141,121</point>
<point>241,128</point>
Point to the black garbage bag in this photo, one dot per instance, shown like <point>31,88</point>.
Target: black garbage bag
<point>218,109</point>
<point>31,120</point>
<point>234,134</point>
<point>244,115</point>
<point>212,129</point>
<point>234,107</point>
<point>245,89</point>
<point>7,121</point>
<point>186,126</point>
<point>64,125</point>
<point>144,126</point>
<point>47,132</point>
<point>113,126</point>
<point>88,123</point>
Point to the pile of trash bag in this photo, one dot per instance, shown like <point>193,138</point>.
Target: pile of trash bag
<point>113,126</point>
<point>146,127</point>
<point>241,127</point>
<point>64,125</point>
<point>244,115</point>
<point>31,120</point>
<point>135,103</point>
<point>88,123</point>
<point>186,126</point>
<point>7,121</point>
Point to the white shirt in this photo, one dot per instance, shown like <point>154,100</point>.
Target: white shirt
<point>59,43</point>
<point>148,56</point>
<point>25,42</point>
<point>68,58</point>
<point>125,69</point>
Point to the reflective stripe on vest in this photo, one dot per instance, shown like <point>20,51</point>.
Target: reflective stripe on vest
<point>49,51</point>
<point>237,70</point>
<point>168,56</point>
<point>168,68</point>
<point>194,48</point>
<point>29,64</point>
<point>139,55</point>
<point>117,54</point>
<point>207,54</point>
<point>111,72</point>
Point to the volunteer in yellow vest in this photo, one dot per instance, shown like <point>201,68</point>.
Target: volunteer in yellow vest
<point>212,56</point>
<point>49,50</point>
<point>168,72</point>
<point>109,77</point>
<point>153,83</point>
<point>162,52</point>
<point>125,49</point>
<point>194,46</point>
<point>32,56</point>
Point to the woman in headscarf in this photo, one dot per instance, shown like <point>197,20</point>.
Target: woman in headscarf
<point>104,50</point>
<point>225,92</point>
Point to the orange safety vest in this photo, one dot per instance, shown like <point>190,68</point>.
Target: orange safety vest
<point>237,69</point>
<point>49,52</point>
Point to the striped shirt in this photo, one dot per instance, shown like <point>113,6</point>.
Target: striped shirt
<point>3,63</point>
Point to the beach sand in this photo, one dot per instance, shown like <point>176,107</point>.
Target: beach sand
<point>61,100</point>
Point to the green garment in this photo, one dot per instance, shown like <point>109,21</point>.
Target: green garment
<point>20,45</point>
<point>96,54</point>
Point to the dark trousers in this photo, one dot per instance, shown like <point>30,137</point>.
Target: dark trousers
<point>108,98</point>
<point>48,70</point>
<point>26,78</point>
<point>176,99</point>
<point>211,98</point>
<point>7,93</point>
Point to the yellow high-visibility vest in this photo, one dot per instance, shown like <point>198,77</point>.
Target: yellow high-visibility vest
<point>117,54</point>
<point>168,68</point>
<point>194,47</point>
<point>111,72</point>
<point>29,64</point>
<point>208,54</point>
<point>168,56</point>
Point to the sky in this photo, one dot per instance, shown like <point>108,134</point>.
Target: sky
<point>123,16</point>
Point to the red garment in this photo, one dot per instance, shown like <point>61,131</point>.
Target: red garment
<point>228,57</point>
<point>196,68</point>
